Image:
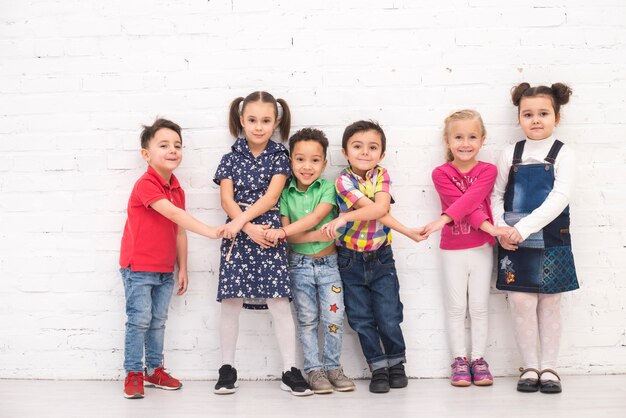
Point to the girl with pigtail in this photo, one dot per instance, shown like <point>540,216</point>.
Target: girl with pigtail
<point>535,262</point>
<point>253,271</point>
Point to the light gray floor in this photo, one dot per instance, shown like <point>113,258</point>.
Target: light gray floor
<point>583,396</point>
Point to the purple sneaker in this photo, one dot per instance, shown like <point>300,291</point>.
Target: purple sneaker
<point>460,372</point>
<point>480,373</point>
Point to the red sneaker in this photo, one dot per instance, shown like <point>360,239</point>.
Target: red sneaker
<point>133,385</point>
<point>162,380</point>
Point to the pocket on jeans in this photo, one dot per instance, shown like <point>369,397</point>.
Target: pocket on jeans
<point>344,263</point>
<point>386,258</point>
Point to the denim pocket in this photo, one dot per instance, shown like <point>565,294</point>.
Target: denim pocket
<point>343,262</point>
<point>385,258</point>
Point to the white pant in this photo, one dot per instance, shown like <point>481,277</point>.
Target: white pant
<point>466,278</point>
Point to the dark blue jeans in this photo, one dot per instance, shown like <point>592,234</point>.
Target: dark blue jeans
<point>372,301</point>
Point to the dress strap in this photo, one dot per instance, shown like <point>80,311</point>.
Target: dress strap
<point>554,151</point>
<point>519,150</point>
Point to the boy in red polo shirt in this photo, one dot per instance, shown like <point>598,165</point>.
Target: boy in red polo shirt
<point>154,241</point>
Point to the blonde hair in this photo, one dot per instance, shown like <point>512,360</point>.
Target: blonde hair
<point>465,114</point>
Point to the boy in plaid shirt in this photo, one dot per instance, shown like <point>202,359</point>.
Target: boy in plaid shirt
<point>365,259</point>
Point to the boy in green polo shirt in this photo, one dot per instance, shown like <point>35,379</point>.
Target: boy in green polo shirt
<point>307,203</point>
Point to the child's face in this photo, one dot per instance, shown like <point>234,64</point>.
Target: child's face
<point>258,121</point>
<point>307,163</point>
<point>536,117</point>
<point>464,139</point>
<point>164,152</point>
<point>364,151</point>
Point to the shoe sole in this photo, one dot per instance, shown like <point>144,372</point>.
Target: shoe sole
<point>461,384</point>
<point>286,388</point>
<point>226,391</point>
<point>347,389</point>
<point>485,382</point>
<point>135,396</point>
<point>322,391</point>
<point>154,385</point>
<point>379,391</point>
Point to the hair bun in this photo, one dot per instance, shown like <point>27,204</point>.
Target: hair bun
<point>561,93</point>
<point>518,91</point>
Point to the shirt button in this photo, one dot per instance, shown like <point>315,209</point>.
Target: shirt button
<point>306,211</point>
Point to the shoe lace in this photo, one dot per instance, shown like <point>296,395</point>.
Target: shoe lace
<point>317,376</point>
<point>480,365</point>
<point>135,378</point>
<point>339,374</point>
<point>296,376</point>
<point>460,366</point>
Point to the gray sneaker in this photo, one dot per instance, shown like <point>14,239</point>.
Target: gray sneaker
<point>319,382</point>
<point>340,381</point>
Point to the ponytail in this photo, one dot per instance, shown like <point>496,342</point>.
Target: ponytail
<point>284,125</point>
<point>234,120</point>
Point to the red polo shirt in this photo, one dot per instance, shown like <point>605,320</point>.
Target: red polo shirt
<point>149,240</point>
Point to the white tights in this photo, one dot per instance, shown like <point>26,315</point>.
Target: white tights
<point>466,280</point>
<point>283,327</point>
<point>537,318</point>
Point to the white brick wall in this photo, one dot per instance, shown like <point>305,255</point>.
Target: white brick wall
<point>77,78</point>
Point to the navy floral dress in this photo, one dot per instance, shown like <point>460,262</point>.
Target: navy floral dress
<point>252,272</point>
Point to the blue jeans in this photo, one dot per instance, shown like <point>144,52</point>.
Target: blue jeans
<point>318,296</point>
<point>372,298</point>
<point>147,301</point>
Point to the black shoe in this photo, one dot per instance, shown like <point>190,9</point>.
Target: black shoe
<point>397,377</point>
<point>380,381</point>
<point>530,384</point>
<point>293,382</point>
<point>227,382</point>
<point>550,386</point>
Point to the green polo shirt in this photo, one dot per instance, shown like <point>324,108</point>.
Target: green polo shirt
<point>296,204</point>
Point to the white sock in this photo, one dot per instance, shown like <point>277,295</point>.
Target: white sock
<point>229,328</point>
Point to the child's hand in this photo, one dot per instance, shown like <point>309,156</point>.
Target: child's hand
<point>433,227</point>
<point>417,234</point>
<point>275,235</point>
<point>232,228</point>
<point>183,281</point>
<point>507,244</point>
<point>257,234</point>
<point>330,229</point>
<point>502,231</point>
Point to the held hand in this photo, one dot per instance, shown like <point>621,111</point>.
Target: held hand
<point>216,232</point>
<point>274,235</point>
<point>506,244</point>
<point>330,229</point>
<point>183,281</point>
<point>417,234</point>
<point>433,227</point>
<point>515,237</point>
<point>502,231</point>
<point>232,228</point>
<point>257,234</point>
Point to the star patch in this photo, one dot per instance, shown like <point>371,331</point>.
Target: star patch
<point>333,307</point>
<point>336,289</point>
<point>333,328</point>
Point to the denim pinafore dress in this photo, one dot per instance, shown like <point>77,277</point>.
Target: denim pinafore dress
<point>543,263</point>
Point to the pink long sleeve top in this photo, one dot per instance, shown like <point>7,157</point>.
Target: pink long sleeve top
<point>465,197</point>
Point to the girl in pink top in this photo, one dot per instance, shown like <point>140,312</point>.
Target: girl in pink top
<point>464,186</point>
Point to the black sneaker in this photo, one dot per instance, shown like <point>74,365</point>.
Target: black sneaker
<point>293,382</point>
<point>397,377</point>
<point>227,382</point>
<point>380,381</point>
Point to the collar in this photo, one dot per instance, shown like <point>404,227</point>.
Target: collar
<point>173,184</point>
<point>293,185</point>
<point>241,146</point>
<point>368,175</point>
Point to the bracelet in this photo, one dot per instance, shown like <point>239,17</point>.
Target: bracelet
<point>280,241</point>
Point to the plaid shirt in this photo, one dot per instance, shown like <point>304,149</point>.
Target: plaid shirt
<point>362,235</point>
